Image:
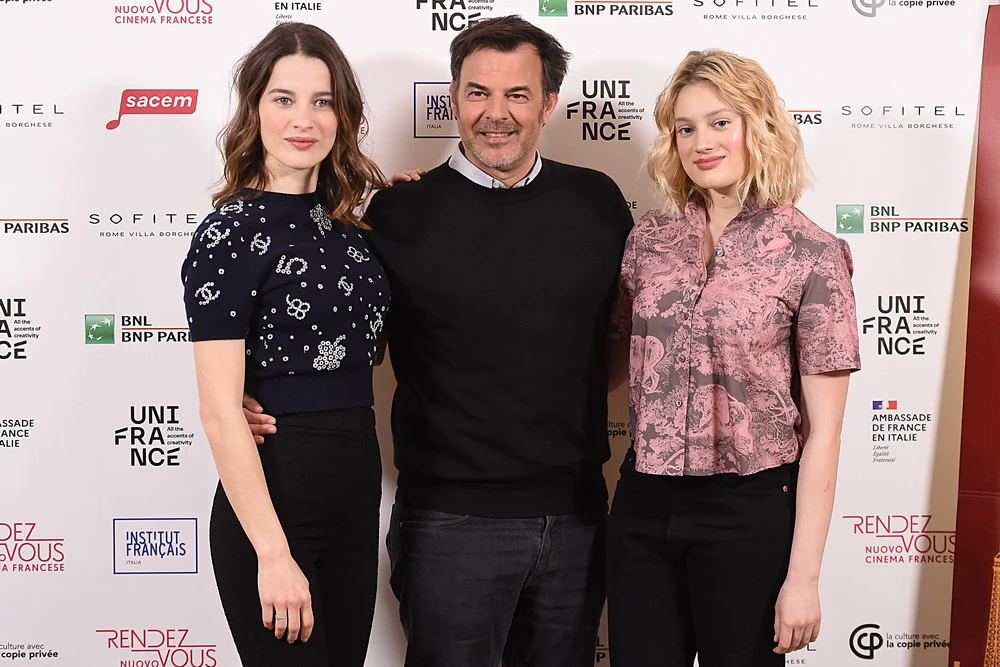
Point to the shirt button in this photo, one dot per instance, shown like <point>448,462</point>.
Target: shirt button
<point>681,358</point>
<point>680,403</point>
<point>785,489</point>
<point>684,316</point>
<point>719,252</point>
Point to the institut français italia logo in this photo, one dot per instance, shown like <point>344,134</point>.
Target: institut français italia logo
<point>850,218</point>
<point>100,329</point>
<point>552,8</point>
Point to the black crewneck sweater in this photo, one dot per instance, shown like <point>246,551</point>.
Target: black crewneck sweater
<point>303,291</point>
<point>501,300</point>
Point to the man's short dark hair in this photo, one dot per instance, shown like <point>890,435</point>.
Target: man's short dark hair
<point>506,34</point>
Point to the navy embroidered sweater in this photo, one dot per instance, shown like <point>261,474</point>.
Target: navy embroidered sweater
<point>303,291</point>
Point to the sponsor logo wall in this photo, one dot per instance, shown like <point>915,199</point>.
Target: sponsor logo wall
<point>109,126</point>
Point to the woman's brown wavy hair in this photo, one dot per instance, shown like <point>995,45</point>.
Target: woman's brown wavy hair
<point>346,176</point>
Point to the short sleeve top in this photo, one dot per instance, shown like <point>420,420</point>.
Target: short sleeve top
<point>716,350</point>
<point>304,292</point>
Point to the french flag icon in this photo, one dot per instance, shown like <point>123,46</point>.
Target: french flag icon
<point>885,405</point>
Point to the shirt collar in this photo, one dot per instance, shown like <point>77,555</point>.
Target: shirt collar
<point>464,166</point>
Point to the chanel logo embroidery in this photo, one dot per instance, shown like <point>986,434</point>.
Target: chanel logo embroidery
<point>356,254</point>
<point>235,207</point>
<point>206,294</point>
<point>297,308</point>
<point>214,234</point>
<point>330,355</point>
<point>376,323</point>
<point>285,266</point>
<point>346,286</point>
<point>260,243</point>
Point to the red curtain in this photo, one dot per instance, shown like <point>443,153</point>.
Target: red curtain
<point>978,524</point>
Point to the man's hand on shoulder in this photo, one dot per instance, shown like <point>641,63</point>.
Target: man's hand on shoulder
<point>404,176</point>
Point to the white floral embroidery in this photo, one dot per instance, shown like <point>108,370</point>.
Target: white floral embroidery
<point>330,355</point>
<point>297,308</point>
<point>321,216</point>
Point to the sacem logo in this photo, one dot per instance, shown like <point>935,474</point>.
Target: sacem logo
<point>139,101</point>
<point>865,641</point>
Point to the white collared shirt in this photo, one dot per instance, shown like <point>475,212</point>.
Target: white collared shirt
<point>464,166</point>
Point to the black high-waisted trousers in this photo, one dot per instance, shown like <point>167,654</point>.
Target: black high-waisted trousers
<point>324,474</point>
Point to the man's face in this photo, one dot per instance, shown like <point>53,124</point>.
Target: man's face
<point>501,109</point>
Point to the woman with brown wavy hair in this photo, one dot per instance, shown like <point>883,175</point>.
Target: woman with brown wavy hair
<point>742,327</point>
<point>285,300</point>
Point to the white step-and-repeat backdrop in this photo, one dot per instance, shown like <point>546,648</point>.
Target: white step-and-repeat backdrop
<point>100,192</point>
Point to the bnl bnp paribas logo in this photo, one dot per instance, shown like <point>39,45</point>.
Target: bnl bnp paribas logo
<point>606,8</point>
<point>871,8</point>
<point>886,219</point>
<point>101,330</point>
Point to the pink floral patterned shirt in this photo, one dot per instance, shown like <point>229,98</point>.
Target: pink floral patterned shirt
<point>716,351</point>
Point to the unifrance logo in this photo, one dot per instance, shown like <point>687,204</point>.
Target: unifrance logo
<point>17,330</point>
<point>154,436</point>
<point>606,111</point>
<point>455,15</point>
<point>160,102</point>
<point>155,546</point>
<point>902,326</point>
<point>24,549</point>
<point>902,539</point>
<point>886,219</point>
<point>159,647</point>
<point>433,117</point>
<point>164,12</point>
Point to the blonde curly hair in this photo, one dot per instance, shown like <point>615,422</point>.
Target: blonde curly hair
<point>776,165</point>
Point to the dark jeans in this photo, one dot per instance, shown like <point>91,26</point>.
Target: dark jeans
<point>324,474</point>
<point>473,590</point>
<point>695,565</point>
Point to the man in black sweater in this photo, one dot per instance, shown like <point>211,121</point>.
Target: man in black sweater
<point>503,266</point>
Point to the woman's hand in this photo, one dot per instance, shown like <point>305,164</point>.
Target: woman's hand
<point>285,601</point>
<point>403,176</point>
<point>796,615</point>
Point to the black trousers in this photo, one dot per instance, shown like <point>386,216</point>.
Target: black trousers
<point>473,590</point>
<point>324,474</point>
<point>695,565</point>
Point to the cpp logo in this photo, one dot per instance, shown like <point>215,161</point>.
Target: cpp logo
<point>864,643</point>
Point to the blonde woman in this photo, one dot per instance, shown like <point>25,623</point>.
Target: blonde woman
<point>743,335</point>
